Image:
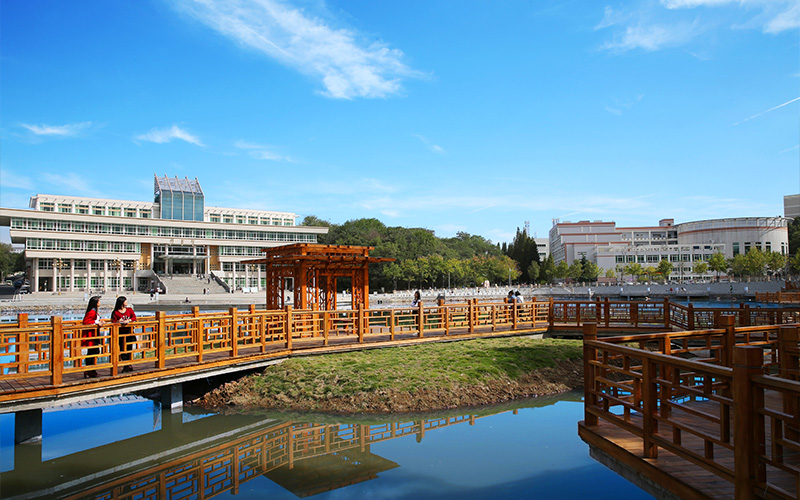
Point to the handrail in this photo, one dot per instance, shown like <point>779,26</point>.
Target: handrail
<point>688,407</point>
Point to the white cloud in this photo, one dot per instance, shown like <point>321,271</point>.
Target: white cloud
<point>11,180</point>
<point>346,67</point>
<point>67,130</point>
<point>70,183</point>
<point>652,37</point>
<point>260,152</point>
<point>767,111</point>
<point>433,147</point>
<point>161,136</point>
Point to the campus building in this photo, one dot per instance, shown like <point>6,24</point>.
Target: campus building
<point>683,244</point>
<point>90,244</point>
<point>791,206</point>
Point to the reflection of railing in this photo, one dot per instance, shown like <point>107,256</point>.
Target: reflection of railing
<point>57,349</point>
<point>686,408</point>
<point>226,467</point>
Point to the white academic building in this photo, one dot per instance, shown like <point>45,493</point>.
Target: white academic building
<point>91,244</point>
<point>682,244</point>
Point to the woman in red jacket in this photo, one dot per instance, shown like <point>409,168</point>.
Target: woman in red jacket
<point>89,336</point>
<point>123,314</point>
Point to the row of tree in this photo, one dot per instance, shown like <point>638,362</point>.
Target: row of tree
<point>11,262</point>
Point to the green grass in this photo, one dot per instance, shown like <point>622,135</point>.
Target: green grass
<point>408,369</point>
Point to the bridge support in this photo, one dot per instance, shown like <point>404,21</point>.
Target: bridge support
<point>172,397</point>
<point>28,426</point>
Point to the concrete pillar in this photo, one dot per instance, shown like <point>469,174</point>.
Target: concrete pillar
<point>172,397</point>
<point>28,426</point>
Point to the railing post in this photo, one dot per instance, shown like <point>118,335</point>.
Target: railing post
<point>690,317</point>
<point>649,407</point>
<point>446,316</point>
<point>634,313</point>
<point>161,339</point>
<point>589,356</point>
<point>114,350</point>
<point>421,318</point>
<point>471,314</point>
<point>56,350</point>
<point>234,331</point>
<point>360,324</point>
<point>728,322</point>
<point>23,351</point>
<point>514,318</point>
<point>392,321</point>
<point>288,327</point>
<point>788,338</point>
<point>667,319</point>
<point>607,311</point>
<point>747,362</point>
<point>551,313</point>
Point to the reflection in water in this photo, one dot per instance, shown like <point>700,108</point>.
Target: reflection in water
<point>523,451</point>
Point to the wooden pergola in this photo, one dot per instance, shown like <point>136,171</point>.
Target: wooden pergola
<point>314,269</point>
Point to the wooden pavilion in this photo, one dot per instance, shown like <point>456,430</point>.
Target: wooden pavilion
<point>314,269</point>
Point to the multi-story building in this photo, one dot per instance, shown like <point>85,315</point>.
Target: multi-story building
<point>681,244</point>
<point>77,243</point>
<point>791,206</point>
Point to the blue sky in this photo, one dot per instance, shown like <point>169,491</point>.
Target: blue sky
<point>468,116</point>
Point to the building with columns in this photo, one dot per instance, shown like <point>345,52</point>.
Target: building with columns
<point>89,244</point>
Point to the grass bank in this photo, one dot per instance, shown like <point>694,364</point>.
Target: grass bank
<point>411,379</point>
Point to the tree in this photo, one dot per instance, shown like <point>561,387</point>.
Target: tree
<point>589,271</point>
<point>533,271</point>
<point>665,267</point>
<point>794,236</point>
<point>313,220</point>
<point>794,264</point>
<point>635,270</point>
<point>718,263</point>
<point>547,271</point>
<point>575,270</point>
<point>738,265</point>
<point>775,262</point>
<point>610,273</point>
<point>755,262</point>
<point>700,268</point>
<point>561,270</point>
<point>524,251</point>
<point>650,271</point>
<point>10,261</point>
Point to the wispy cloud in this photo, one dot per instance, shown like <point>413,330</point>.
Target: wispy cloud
<point>260,152</point>
<point>431,146</point>
<point>12,180</point>
<point>70,183</point>
<point>620,105</point>
<point>67,130</point>
<point>161,136</point>
<point>672,23</point>
<point>346,66</point>
<point>767,111</point>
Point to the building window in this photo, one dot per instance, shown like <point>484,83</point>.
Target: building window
<point>620,259</point>
<point>145,213</point>
<point>240,219</point>
<point>65,208</point>
<point>45,263</point>
<point>736,249</point>
<point>227,219</point>
<point>214,218</point>
<point>114,211</point>
<point>82,209</point>
<point>130,212</point>
<point>746,247</point>
<point>47,207</point>
<point>80,264</point>
<point>252,220</point>
<point>97,210</point>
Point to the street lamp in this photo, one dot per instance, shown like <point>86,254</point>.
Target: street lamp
<point>58,264</point>
<point>117,264</point>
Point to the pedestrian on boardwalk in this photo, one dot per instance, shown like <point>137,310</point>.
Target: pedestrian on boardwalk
<point>89,337</point>
<point>417,299</point>
<point>124,315</point>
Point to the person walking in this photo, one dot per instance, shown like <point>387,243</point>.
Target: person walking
<point>89,336</point>
<point>124,315</point>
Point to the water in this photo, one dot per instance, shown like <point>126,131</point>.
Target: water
<point>130,448</point>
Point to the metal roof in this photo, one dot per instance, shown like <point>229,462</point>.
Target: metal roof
<point>178,185</point>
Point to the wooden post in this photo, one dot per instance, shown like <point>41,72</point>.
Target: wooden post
<point>666,314</point>
<point>360,323</point>
<point>446,316</point>
<point>161,339</point>
<point>200,339</point>
<point>326,327</point>
<point>650,407</point>
<point>234,331</point>
<point>728,340</point>
<point>690,319</point>
<point>607,311</point>
<point>195,311</point>
<point>421,319</point>
<point>514,318</point>
<point>24,348</point>
<point>788,338</point>
<point>551,313</point>
<point>392,322</point>
<point>471,314</point>
<point>634,313</point>
<point>56,350</point>
<point>288,327</point>
<point>114,350</point>
<point>747,362</point>
<point>589,355</point>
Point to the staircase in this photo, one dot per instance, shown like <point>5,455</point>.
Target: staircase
<point>190,285</point>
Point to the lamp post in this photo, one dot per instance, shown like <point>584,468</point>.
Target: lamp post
<point>58,264</point>
<point>117,264</point>
<point>251,268</point>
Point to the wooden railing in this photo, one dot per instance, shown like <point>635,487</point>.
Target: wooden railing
<point>779,297</point>
<point>688,406</point>
<point>56,349</point>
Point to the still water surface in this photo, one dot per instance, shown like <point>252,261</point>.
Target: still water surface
<point>133,450</point>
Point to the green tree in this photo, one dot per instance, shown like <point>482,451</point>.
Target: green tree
<point>756,262</point>
<point>313,220</point>
<point>524,251</point>
<point>738,265</point>
<point>547,271</point>
<point>533,272</point>
<point>650,271</point>
<point>700,268</point>
<point>610,273</point>
<point>794,236</point>
<point>589,271</point>
<point>561,270</point>
<point>10,261</point>
<point>776,262</point>
<point>718,263</point>
<point>665,268</point>
<point>575,270</point>
<point>794,264</point>
<point>635,270</point>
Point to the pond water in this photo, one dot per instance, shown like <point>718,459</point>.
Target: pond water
<point>131,449</point>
